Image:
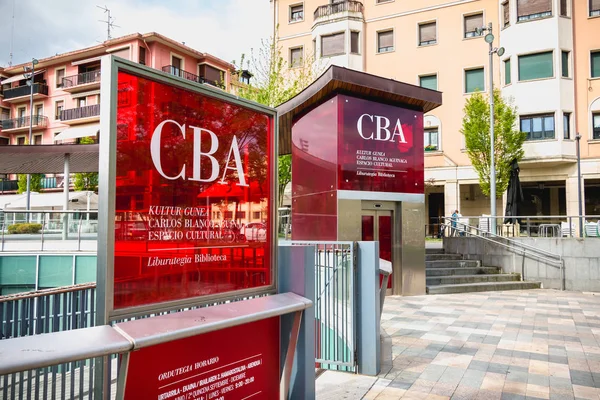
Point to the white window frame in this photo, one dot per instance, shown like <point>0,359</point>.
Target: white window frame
<point>295,21</point>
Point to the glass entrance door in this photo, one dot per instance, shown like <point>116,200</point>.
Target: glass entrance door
<point>377,226</point>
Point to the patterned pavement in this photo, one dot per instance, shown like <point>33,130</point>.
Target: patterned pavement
<point>532,344</point>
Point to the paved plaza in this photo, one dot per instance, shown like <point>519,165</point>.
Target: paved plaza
<point>533,344</point>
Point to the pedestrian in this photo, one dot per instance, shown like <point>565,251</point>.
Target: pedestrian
<point>454,222</point>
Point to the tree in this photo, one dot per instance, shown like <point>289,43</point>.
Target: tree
<point>87,180</point>
<point>35,184</point>
<point>275,83</point>
<point>508,141</point>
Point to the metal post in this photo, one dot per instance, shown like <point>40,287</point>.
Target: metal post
<point>492,141</point>
<point>65,232</point>
<point>28,207</point>
<point>578,139</point>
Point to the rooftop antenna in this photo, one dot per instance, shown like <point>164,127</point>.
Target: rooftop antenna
<point>109,22</point>
<point>12,36</point>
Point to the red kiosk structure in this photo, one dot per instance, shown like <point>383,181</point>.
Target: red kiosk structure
<point>358,167</point>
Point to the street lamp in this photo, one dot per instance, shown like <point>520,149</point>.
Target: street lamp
<point>578,139</point>
<point>489,38</point>
<point>34,62</point>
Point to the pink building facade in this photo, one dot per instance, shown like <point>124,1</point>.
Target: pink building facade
<point>67,86</point>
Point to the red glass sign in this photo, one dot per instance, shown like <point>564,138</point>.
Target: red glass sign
<point>380,147</point>
<point>193,199</point>
<point>216,365</point>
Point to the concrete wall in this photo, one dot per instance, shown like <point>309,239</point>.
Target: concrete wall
<point>581,260</point>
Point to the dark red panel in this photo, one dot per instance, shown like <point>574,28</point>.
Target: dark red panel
<point>380,147</point>
<point>192,195</point>
<point>385,240</point>
<point>216,365</point>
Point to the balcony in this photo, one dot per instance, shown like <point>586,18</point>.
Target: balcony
<point>81,82</point>
<point>170,69</point>
<point>16,125</point>
<point>81,115</point>
<point>349,8</point>
<point>23,93</point>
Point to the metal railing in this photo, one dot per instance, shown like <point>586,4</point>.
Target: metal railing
<point>38,121</point>
<point>38,88</point>
<point>170,69</point>
<point>81,79</point>
<point>335,304</point>
<point>338,7</point>
<point>74,225</point>
<point>80,112</point>
<point>513,245</point>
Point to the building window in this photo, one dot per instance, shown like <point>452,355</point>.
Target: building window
<point>39,110</point>
<point>228,214</point>
<point>427,34</point>
<point>296,57</point>
<point>354,44</point>
<point>428,82</point>
<point>507,77</point>
<point>431,139</point>
<point>81,102</point>
<point>566,125</point>
<point>142,56</point>
<point>536,66</point>
<point>533,9</point>
<point>474,80</point>
<point>255,214</point>
<point>332,45</point>
<point>59,75</point>
<point>596,125</point>
<point>211,75</point>
<point>565,64</point>
<point>538,127</point>
<point>37,139</point>
<point>564,10</point>
<point>176,65</point>
<point>473,25</point>
<point>384,1</point>
<point>4,114</point>
<point>296,12</point>
<point>506,14</point>
<point>594,8</point>
<point>385,41</point>
<point>21,140</point>
<point>58,107</point>
<point>595,61</point>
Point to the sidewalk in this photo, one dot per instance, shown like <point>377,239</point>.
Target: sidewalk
<point>535,344</point>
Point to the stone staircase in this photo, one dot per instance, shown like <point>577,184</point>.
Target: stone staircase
<point>450,273</point>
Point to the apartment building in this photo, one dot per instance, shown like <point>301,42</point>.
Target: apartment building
<point>66,88</point>
<point>550,70</point>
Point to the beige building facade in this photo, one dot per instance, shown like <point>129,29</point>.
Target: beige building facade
<point>550,70</point>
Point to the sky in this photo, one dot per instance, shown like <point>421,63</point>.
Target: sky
<point>43,28</point>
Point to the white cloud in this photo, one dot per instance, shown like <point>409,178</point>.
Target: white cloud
<point>223,28</point>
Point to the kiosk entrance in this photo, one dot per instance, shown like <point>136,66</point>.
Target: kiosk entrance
<point>356,142</point>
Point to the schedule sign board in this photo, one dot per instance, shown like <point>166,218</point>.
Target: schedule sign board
<point>236,363</point>
<point>380,147</point>
<point>190,191</point>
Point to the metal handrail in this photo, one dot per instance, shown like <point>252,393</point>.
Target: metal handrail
<point>543,255</point>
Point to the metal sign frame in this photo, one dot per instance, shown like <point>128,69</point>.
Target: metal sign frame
<point>110,67</point>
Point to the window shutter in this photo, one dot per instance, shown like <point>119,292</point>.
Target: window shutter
<point>506,10</point>
<point>595,67</point>
<point>124,53</point>
<point>332,44</point>
<point>354,47</point>
<point>563,8</point>
<point>529,7</point>
<point>427,32</point>
<point>295,57</point>
<point>473,22</point>
<point>386,39</point>
<point>594,5</point>
<point>212,74</point>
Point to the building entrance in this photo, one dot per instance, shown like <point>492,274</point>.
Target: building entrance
<point>377,226</point>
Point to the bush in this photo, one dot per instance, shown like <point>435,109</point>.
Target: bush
<point>24,228</point>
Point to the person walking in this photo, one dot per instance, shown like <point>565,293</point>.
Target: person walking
<point>454,223</point>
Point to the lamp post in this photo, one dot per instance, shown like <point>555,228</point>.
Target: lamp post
<point>489,38</point>
<point>578,139</point>
<point>30,83</point>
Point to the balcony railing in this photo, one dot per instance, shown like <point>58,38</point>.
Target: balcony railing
<point>38,88</point>
<point>338,7</point>
<point>39,121</point>
<point>81,112</point>
<point>170,69</point>
<point>81,79</point>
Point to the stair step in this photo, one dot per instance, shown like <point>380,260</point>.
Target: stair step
<point>436,257</point>
<point>434,251</point>
<point>461,271</point>
<point>459,279</point>
<point>453,264</point>
<point>482,287</point>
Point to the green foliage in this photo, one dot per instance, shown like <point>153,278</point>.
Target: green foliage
<point>285,174</point>
<point>24,228</point>
<point>89,180</point>
<point>508,141</point>
<point>35,184</point>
